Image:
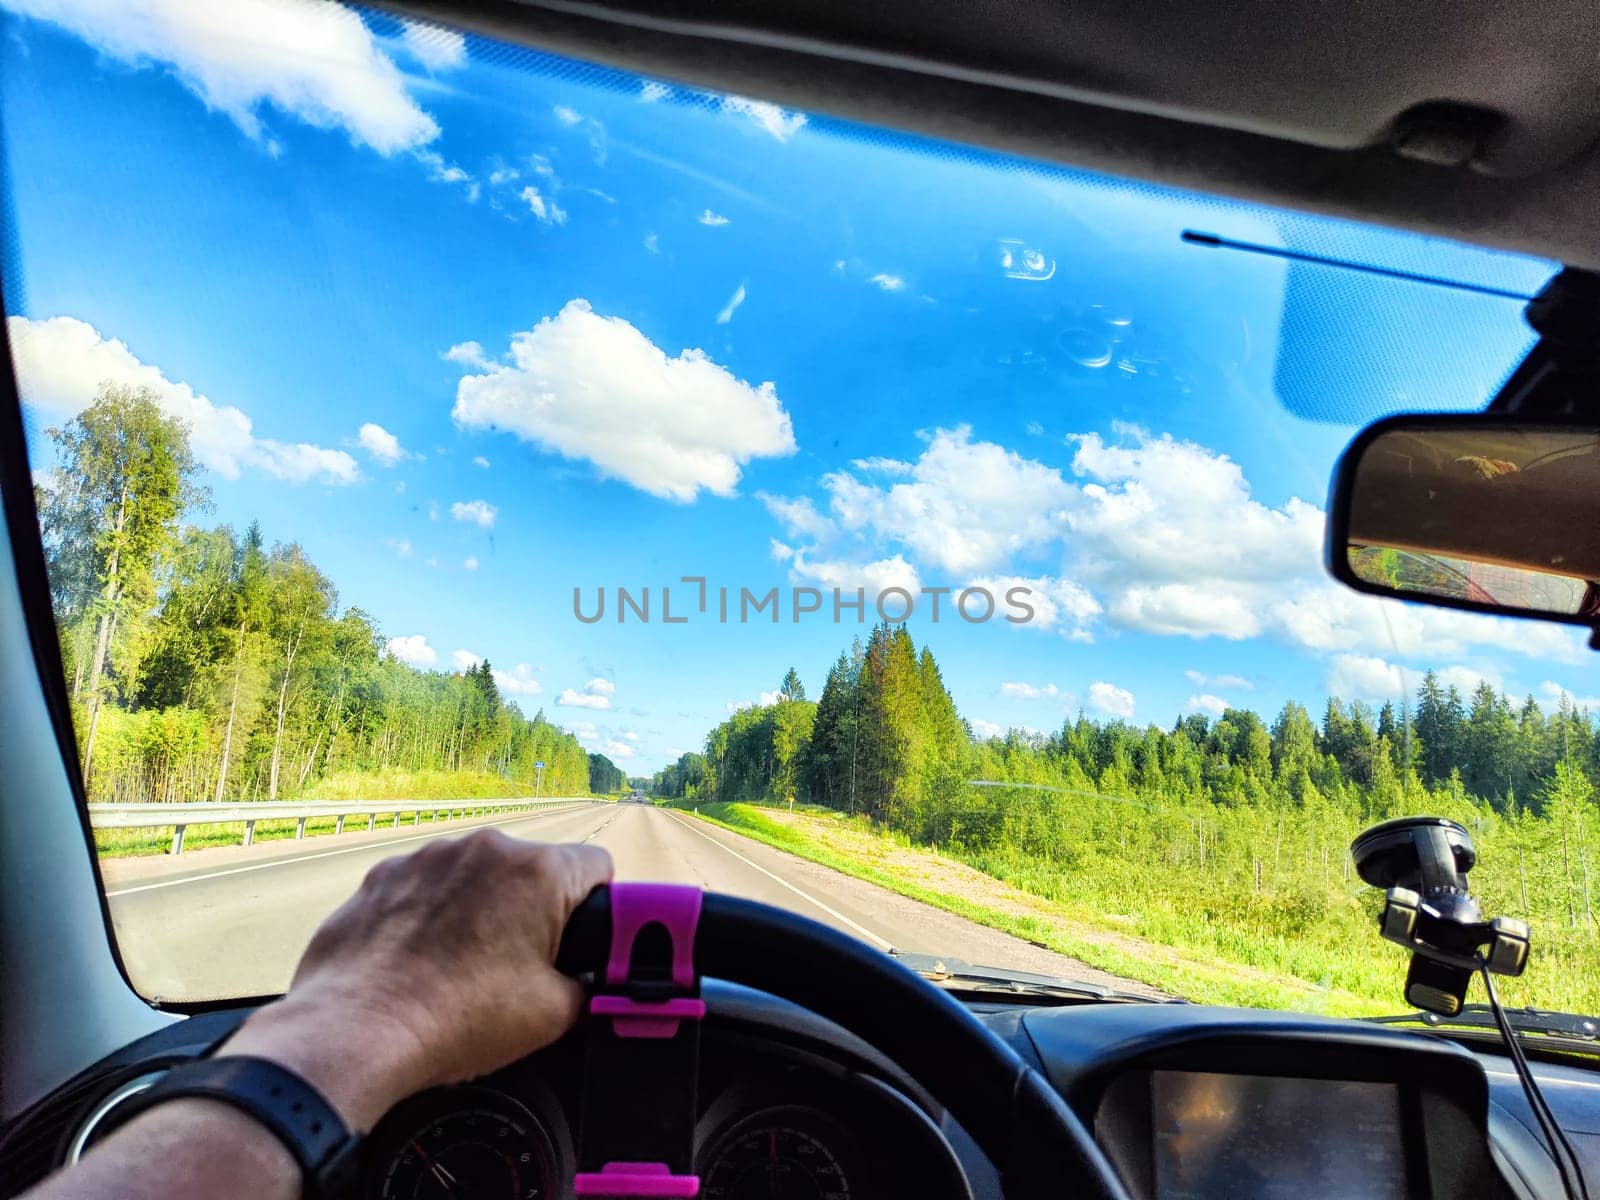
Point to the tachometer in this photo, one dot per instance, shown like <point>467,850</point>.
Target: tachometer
<point>465,1143</point>
<point>783,1154</point>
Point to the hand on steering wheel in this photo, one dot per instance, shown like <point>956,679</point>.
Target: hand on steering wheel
<point>452,962</point>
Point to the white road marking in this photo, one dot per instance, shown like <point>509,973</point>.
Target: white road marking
<point>804,895</point>
<point>283,862</point>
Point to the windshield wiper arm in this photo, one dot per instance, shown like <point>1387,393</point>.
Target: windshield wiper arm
<point>953,972</point>
<point>1523,1020</point>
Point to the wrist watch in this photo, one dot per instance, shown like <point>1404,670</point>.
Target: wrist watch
<point>328,1154</point>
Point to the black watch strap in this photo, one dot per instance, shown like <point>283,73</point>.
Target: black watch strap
<point>295,1112</point>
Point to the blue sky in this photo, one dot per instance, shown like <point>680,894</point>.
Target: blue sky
<point>478,328</point>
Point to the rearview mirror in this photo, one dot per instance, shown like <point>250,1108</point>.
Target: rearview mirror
<point>1472,511</point>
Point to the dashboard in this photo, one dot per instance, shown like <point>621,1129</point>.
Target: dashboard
<point>1187,1102</point>
<point>776,1119</point>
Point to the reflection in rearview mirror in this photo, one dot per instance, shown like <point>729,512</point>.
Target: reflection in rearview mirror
<point>1472,512</point>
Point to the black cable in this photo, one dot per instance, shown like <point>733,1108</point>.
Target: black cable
<point>1567,1163</point>
<point>1196,237</point>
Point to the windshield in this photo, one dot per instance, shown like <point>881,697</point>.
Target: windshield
<point>430,434</point>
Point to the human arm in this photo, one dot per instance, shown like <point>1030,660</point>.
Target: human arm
<point>438,969</point>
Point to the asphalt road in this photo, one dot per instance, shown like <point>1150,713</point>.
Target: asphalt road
<point>233,921</point>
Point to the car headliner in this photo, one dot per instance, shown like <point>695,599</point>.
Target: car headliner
<point>1479,122</point>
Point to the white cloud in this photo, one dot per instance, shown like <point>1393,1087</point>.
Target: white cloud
<point>968,506</point>
<point>596,694</point>
<point>567,116</point>
<point>518,681</point>
<point>618,749</point>
<point>1151,534</point>
<point>1144,531</point>
<point>889,283</point>
<point>401,546</point>
<point>435,48</point>
<point>504,174</point>
<point>652,243</point>
<point>731,306</point>
<point>1201,679</point>
<point>764,700</point>
<point>440,171</point>
<point>591,387</point>
<point>475,512</point>
<point>480,462</point>
<point>1369,677</point>
<point>446,172</point>
<point>548,211</point>
<point>464,660</point>
<point>1034,429</point>
<point>985,730</point>
<point>1016,690</point>
<point>1467,680</point>
<point>1108,698</point>
<point>470,563</point>
<point>413,650</point>
<point>384,447</point>
<point>713,219</point>
<point>301,462</point>
<point>1323,615</point>
<point>799,517</point>
<point>1197,610</point>
<point>651,91</point>
<point>779,122</point>
<point>470,353</point>
<point>847,575</point>
<point>882,466</point>
<point>1155,504</point>
<point>1058,605</point>
<point>62,361</point>
<point>1554,693</point>
<point>781,552</point>
<point>1365,677</point>
<point>314,61</point>
<point>1207,703</point>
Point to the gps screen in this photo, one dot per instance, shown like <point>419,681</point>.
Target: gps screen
<point>1258,1137</point>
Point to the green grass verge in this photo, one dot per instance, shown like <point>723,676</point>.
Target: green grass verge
<point>390,784</point>
<point>1204,980</point>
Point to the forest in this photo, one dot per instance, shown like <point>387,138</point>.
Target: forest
<point>1228,836</point>
<point>204,663</point>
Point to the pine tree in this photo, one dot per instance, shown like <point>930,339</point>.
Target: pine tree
<point>791,688</point>
<point>891,732</point>
<point>830,767</point>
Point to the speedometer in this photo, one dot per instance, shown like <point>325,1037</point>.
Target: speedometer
<point>783,1154</point>
<point>465,1143</point>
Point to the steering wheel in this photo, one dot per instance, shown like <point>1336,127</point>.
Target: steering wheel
<point>1036,1142</point>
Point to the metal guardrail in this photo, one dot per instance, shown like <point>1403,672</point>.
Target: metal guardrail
<point>181,816</point>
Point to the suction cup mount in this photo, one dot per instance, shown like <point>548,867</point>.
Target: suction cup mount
<point>1422,863</point>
